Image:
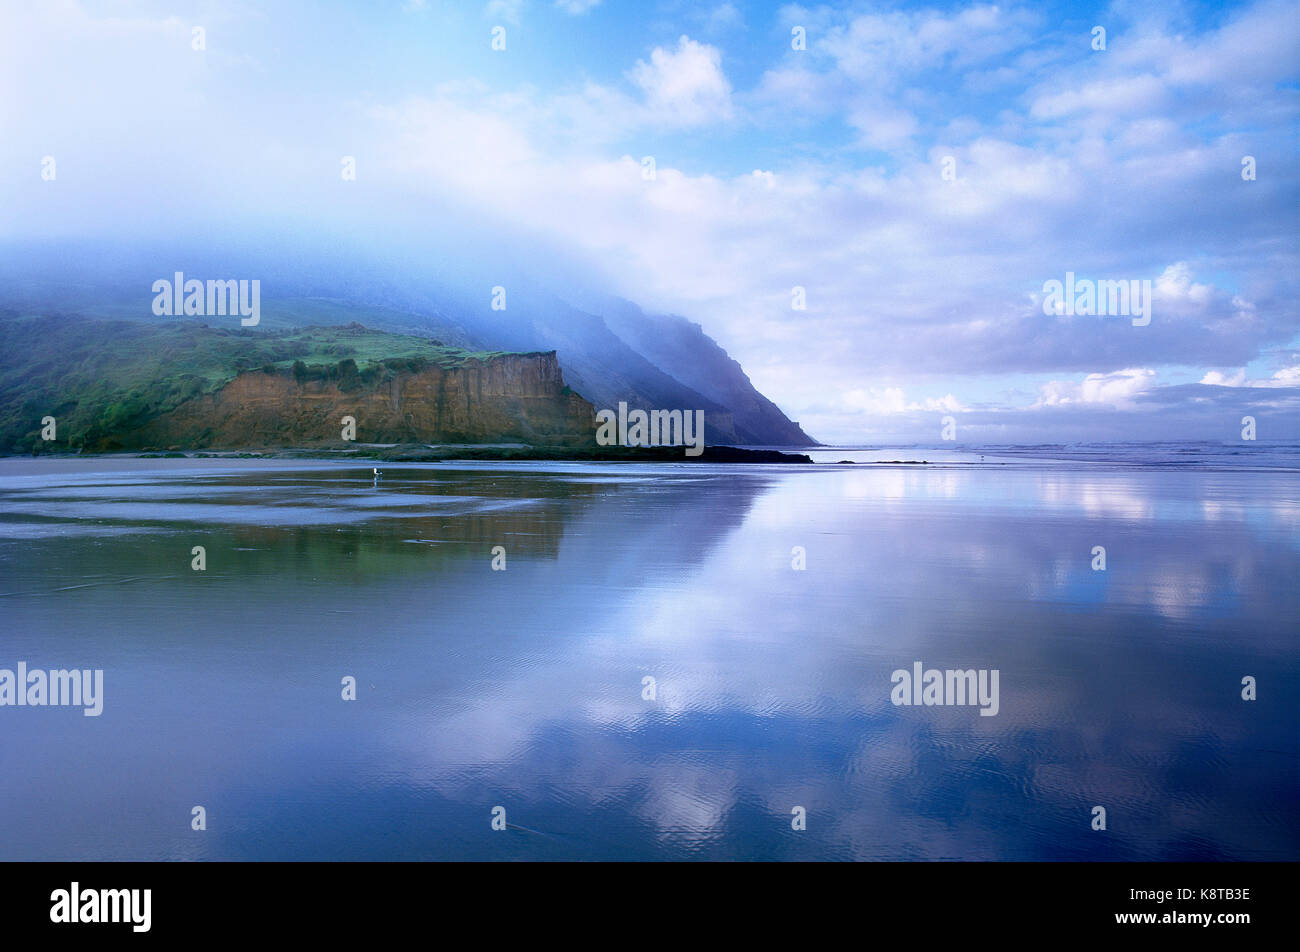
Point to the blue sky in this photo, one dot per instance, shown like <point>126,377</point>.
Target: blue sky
<point>775,168</point>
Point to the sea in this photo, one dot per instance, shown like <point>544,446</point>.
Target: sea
<point>305,660</point>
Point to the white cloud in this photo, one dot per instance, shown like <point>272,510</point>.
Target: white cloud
<point>1286,377</point>
<point>876,401</point>
<point>795,88</point>
<point>724,17</point>
<point>508,10</point>
<point>885,401</point>
<point>1111,96</point>
<point>1113,389</point>
<point>685,86</point>
<point>576,7</point>
<point>883,47</point>
<point>882,126</point>
<point>1216,379</point>
<point>1175,284</point>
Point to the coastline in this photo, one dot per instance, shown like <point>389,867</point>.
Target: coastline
<point>438,453</point>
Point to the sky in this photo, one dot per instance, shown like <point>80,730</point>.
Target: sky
<point>920,171</point>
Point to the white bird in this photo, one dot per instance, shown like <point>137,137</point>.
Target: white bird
<point>376,472</point>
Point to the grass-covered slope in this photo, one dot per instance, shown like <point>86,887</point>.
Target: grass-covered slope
<point>100,377</point>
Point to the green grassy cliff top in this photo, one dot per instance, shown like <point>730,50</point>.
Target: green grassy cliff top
<point>95,376</point>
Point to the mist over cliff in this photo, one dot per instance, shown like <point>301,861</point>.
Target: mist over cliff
<point>476,296</point>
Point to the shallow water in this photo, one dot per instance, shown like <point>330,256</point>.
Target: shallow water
<point>523,688</point>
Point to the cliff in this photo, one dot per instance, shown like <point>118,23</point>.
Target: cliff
<point>112,385</point>
<point>681,348</point>
<point>610,349</point>
<point>514,397</point>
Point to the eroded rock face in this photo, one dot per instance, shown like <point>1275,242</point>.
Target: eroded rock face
<point>514,397</point>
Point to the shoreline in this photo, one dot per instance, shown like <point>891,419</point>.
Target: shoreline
<point>422,453</point>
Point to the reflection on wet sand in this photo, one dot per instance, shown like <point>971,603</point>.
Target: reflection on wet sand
<point>524,687</point>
